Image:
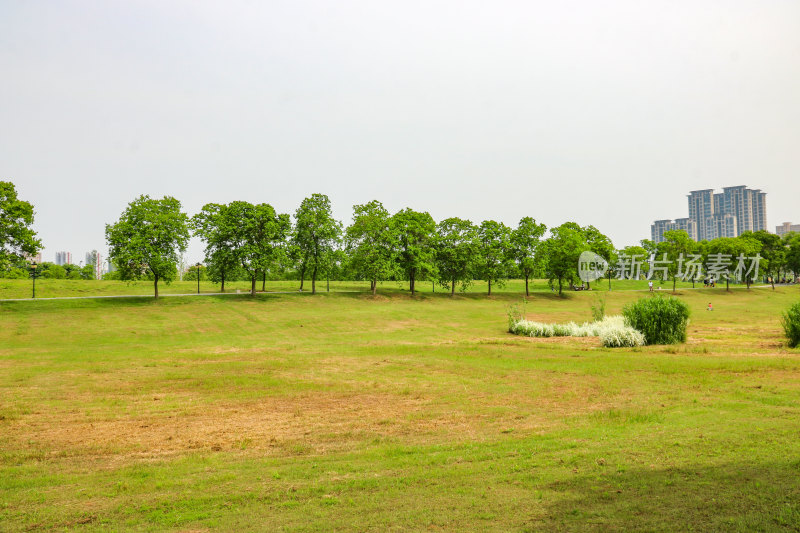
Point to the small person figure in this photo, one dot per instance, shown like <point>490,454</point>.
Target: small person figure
<point>650,284</point>
<point>710,307</point>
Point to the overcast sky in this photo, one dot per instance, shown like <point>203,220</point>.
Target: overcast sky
<point>605,113</point>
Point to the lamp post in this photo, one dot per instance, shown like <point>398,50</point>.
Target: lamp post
<point>34,274</point>
<point>198,277</point>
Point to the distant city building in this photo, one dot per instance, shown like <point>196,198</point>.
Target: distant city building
<point>63,258</point>
<point>660,226</point>
<point>787,227</point>
<point>713,215</point>
<point>96,260</point>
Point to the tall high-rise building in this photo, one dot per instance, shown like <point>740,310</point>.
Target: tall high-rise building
<point>701,207</point>
<point>713,215</point>
<point>96,260</point>
<point>63,258</point>
<point>688,225</point>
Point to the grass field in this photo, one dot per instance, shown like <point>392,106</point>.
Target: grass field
<point>54,288</point>
<point>347,412</point>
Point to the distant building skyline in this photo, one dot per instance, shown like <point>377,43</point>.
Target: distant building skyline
<point>787,227</point>
<point>712,215</point>
<point>63,258</point>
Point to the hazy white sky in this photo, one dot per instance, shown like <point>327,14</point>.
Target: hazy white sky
<point>605,113</point>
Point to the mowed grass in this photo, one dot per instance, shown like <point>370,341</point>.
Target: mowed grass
<point>56,288</point>
<point>347,412</point>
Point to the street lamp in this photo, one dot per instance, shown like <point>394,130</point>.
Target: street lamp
<point>34,275</point>
<point>198,277</point>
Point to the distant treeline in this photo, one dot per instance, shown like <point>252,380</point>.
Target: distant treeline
<point>245,241</point>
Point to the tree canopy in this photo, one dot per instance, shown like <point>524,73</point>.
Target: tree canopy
<point>215,224</point>
<point>561,252</point>
<point>17,237</point>
<point>316,234</point>
<point>414,239</point>
<point>525,241</point>
<point>149,237</point>
<point>257,238</point>
<point>494,252</point>
<point>456,253</point>
<point>370,242</point>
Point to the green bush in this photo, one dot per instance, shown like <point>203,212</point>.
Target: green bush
<point>661,320</point>
<point>791,325</point>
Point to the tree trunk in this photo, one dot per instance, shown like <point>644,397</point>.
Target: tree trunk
<point>559,286</point>
<point>223,281</point>
<point>314,280</point>
<point>302,276</point>
<point>155,286</point>
<point>527,294</point>
<point>411,283</point>
<point>253,285</point>
<point>728,284</point>
<point>264,282</point>
<point>674,281</point>
<point>374,286</point>
<point>490,287</point>
<point>453,288</point>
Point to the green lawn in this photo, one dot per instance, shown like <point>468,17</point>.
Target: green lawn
<point>344,412</point>
<point>52,288</point>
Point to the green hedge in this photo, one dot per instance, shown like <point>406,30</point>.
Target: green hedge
<point>661,320</point>
<point>791,325</point>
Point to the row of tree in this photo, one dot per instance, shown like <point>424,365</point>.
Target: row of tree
<point>779,257</point>
<point>254,242</point>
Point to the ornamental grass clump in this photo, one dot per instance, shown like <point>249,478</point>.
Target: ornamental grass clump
<point>661,320</point>
<point>791,325</point>
<point>612,330</point>
<point>621,337</point>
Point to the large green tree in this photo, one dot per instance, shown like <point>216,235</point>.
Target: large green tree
<point>456,253</point>
<point>600,244</point>
<point>792,243</point>
<point>316,234</point>
<point>745,245</point>
<point>258,238</point>
<point>369,241</point>
<point>148,238</point>
<point>772,250</point>
<point>17,238</point>
<point>215,224</point>
<point>414,240</point>
<point>494,252</point>
<point>525,241</point>
<point>561,252</point>
<point>676,244</point>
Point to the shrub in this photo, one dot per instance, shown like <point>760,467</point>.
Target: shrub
<point>791,325</point>
<point>516,314</point>
<point>661,320</point>
<point>598,308</point>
